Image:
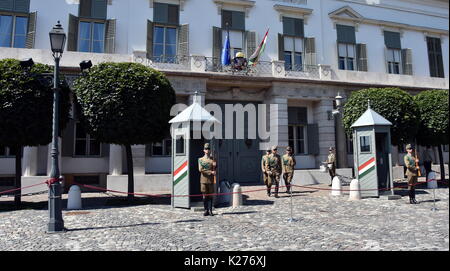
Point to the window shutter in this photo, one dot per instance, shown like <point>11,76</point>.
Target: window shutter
<point>361,51</point>
<point>99,9</point>
<point>105,150</point>
<point>72,37</point>
<point>288,26</point>
<point>160,13</point>
<point>68,137</point>
<point>31,32</point>
<point>250,40</point>
<point>84,10</point>
<point>280,47</point>
<point>386,59</point>
<point>22,6</point>
<point>173,15</point>
<point>312,131</point>
<point>345,34</point>
<point>407,61</point>
<point>299,28</point>
<point>149,39</point>
<point>310,51</point>
<point>238,20</point>
<point>7,5</point>
<point>110,38</point>
<point>217,46</point>
<point>392,40</point>
<point>226,18</point>
<point>183,40</point>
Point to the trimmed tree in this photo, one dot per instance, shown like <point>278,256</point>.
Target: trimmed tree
<point>26,109</point>
<point>125,104</point>
<point>394,104</point>
<point>434,128</point>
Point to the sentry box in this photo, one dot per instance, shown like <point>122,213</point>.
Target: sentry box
<point>372,154</point>
<point>188,140</point>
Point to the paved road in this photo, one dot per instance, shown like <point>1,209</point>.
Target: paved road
<point>324,223</point>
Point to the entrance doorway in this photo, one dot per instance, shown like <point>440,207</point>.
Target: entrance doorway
<point>382,160</point>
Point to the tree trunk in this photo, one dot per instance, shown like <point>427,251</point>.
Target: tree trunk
<point>18,179</point>
<point>130,172</point>
<point>441,163</point>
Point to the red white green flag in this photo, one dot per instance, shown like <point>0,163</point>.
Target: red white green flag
<point>253,60</point>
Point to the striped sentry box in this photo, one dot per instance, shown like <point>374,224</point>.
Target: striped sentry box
<point>180,173</point>
<point>366,168</point>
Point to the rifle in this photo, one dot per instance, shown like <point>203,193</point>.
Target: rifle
<point>419,174</point>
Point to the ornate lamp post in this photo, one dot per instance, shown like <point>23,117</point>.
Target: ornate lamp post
<point>56,223</point>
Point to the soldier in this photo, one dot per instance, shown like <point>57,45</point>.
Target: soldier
<point>264,162</point>
<point>411,173</point>
<point>273,169</point>
<point>331,163</point>
<point>207,168</point>
<point>288,168</point>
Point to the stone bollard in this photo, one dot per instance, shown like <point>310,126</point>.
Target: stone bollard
<point>355,194</point>
<point>74,200</point>
<point>431,180</point>
<point>336,187</point>
<point>237,195</point>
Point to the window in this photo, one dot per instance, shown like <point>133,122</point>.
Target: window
<point>13,31</point>
<point>393,61</point>
<point>7,152</point>
<point>91,37</point>
<point>293,53</point>
<point>435,57</point>
<point>165,44</point>
<point>236,41</point>
<point>179,145</point>
<point>233,20</point>
<point>297,136</point>
<point>163,148</point>
<point>346,56</point>
<point>85,145</point>
<point>364,142</point>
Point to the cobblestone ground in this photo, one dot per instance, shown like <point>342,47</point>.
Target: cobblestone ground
<point>324,223</point>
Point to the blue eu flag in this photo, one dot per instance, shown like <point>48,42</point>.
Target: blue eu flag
<point>225,57</point>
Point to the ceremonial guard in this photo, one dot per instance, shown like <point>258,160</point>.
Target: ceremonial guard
<point>207,168</point>
<point>288,168</point>
<point>412,166</point>
<point>273,169</point>
<point>331,163</point>
<point>264,161</point>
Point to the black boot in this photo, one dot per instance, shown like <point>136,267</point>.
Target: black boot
<point>413,193</point>
<point>411,197</point>
<point>205,206</point>
<point>276,192</point>
<point>210,206</point>
<point>268,192</point>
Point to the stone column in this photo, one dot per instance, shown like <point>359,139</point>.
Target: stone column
<point>115,159</point>
<point>138,159</point>
<point>321,112</point>
<point>29,161</point>
<point>341,143</point>
<point>278,122</point>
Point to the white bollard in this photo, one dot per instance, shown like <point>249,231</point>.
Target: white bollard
<point>336,187</point>
<point>431,180</point>
<point>74,200</point>
<point>355,194</point>
<point>237,195</point>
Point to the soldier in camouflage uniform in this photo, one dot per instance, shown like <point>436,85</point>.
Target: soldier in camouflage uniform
<point>411,173</point>
<point>273,169</point>
<point>207,168</point>
<point>331,163</point>
<point>264,161</point>
<point>288,162</point>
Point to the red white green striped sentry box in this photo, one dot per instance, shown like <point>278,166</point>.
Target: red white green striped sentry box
<point>366,168</point>
<point>180,173</point>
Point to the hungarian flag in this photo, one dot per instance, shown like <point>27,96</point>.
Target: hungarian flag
<point>253,60</point>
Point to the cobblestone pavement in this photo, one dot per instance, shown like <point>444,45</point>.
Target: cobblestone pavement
<point>324,223</point>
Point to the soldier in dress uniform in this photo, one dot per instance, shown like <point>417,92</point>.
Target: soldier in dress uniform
<point>207,168</point>
<point>331,163</point>
<point>273,169</point>
<point>411,173</point>
<point>288,168</point>
<point>264,161</point>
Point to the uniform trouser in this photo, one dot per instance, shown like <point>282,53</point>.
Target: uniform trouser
<point>274,179</point>
<point>287,176</point>
<point>332,172</point>
<point>207,188</point>
<point>412,181</point>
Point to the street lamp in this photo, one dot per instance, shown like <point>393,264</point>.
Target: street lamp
<point>56,223</point>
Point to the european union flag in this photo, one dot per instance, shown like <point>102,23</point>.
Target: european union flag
<point>225,57</point>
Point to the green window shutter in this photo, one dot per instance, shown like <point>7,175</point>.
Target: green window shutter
<point>345,34</point>
<point>238,20</point>
<point>110,38</point>
<point>22,6</point>
<point>407,61</point>
<point>361,54</point>
<point>183,40</point>
<point>31,32</point>
<point>280,47</point>
<point>160,13</point>
<point>293,27</point>
<point>312,131</point>
<point>173,15</point>
<point>104,150</point>
<point>72,37</point>
<point>149,39</point>
<point>250,41</point>
<point>392,40</point>
<point>99,9</point>
<point>7,5</point>
<point>68,137</point>
<point>310,51</point>
<point>217,46</point>
<point>226,19</point>
<point>435,57</point>
<point>84,9</point>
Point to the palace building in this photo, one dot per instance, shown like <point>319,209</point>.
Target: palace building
<point>315,51</point>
